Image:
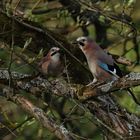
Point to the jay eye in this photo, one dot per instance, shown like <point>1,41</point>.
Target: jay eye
<point>53,50</point>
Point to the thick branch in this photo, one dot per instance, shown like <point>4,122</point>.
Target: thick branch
<point>130,80</point>
<point>103,107</point>
<point>59,131</point>
<point>79,91</point>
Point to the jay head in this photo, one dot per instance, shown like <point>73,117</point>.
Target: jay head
<point>85,43</point>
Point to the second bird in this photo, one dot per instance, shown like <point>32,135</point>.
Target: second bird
<point>101,64</point>
<point>51,64</point>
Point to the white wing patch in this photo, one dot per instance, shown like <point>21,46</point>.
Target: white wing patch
<point>114,73</point>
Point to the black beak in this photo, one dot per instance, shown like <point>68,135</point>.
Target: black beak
<point>78,43</point>
<point>59,51</point>
<point>75,43</point>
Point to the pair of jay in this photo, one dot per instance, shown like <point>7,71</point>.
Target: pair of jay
<point>100,63</point>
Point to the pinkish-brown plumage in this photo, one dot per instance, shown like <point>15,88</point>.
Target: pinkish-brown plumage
<point>101,64</point>
<point>51,64</point>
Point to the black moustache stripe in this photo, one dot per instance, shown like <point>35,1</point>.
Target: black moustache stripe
<point>54,53</point>
<point>81,43</point>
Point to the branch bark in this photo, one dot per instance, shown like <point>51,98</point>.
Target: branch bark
<point>58,130</point>
<point>99,100</point>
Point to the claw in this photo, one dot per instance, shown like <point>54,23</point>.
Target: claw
<point>93,82</point>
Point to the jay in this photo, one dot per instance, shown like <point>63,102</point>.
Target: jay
<point>101,64</point>
<point>51,64</point>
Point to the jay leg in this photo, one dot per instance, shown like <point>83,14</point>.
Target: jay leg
<point>93,82</point>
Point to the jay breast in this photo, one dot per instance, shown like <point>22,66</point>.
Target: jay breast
<point>55,69</point>
<point>98,73</point>
<point>92,67</point>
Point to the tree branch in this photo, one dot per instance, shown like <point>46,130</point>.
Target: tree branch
<point>97,100</point>
<point>58,130</point>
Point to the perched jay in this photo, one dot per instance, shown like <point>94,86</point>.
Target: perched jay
<point>100,63</point>
<point>51,64</point>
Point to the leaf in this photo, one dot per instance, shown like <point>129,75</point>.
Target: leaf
<point>28,41</point>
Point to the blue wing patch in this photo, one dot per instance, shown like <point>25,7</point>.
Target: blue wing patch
<point>103,66</point>
<point>114,70</point>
